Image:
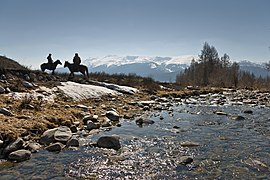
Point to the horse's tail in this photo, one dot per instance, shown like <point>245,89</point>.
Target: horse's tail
<point>86,69</point>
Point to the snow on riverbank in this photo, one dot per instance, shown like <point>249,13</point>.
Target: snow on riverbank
<point>78,91</point>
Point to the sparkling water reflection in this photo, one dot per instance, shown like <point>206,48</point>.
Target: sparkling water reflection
<point>227,149</point>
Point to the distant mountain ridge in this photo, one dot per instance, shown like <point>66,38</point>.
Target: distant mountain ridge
<point>162,69</point>
<point>158,68</point>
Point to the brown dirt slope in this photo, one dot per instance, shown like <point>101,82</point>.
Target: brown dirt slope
<point>9,64</point>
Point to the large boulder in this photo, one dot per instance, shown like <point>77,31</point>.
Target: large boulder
<point>110,142</point>
<point>20,155</point>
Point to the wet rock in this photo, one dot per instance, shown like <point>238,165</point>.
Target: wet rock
<point>8,90</point>
<point>27,84</point>
<point>27,77</point>
<point>238,118</point>
<point>73,128</point>
<point>248,111</point>
<point>176,127</point>
<point>55,147</point>
<point>146,108</point>
<point>2,90</point>
<point>47,137</point>
<point>33,147</point>
<point>112,115</point>
<point>189,144</point>
<point>5,112</point>
<point>83,107</point>
<point>260,166</point>
<point>184,160</point>
<point>141,122</point>
<point>13,146</point>
<point>62,134</point>
<point>93,118</point>
<point>3,77</point>
<point>91,125</point>
<point>1,143</point>
<point>67,106</point>
<point>221,113</point>
<point>110,142</point>
<point>20,155</point>
<point>73,142</point>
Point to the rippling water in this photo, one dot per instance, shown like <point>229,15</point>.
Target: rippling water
<point>228,149</point>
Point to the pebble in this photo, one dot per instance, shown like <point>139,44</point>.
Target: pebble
<point>112,115</point>
<point>13,146</point>
<point>55,147</point>
<point>6,112</point>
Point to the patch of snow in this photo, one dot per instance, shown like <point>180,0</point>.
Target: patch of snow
<point>78,91</point>
<point>118,88</point>
<point>42,93</point>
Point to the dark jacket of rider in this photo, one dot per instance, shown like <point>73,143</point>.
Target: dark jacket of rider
<point>77,60</point>
<point>50,61</point>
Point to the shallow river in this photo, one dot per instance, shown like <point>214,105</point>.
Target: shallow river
<point>218,147</point>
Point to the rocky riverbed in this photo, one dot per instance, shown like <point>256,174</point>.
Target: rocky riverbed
<point>64,117</point>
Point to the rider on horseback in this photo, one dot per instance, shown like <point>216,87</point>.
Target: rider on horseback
<point>77,61</point>
<point>50,60</point>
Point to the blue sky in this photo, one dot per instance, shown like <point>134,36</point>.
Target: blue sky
<point>30,29</point>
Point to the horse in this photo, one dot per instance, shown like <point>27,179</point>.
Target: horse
<point>50,66</point>
<point>72,68</point>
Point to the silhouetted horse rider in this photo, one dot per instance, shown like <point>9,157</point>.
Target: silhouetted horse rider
<point>77,61</point>
<point>50,60</point>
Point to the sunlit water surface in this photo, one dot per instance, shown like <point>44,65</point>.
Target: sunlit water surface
<point>228,149</point>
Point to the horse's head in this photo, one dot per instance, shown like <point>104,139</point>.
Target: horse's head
<point>58,62</point>
<point>66,64</point>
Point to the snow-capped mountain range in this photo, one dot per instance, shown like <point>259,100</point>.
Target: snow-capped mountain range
<point>158,68</point>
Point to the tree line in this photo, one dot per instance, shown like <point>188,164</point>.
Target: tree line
<point>212,70</point>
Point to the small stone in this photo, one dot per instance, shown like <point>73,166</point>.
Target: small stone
<point>73,128</point>
<point>146,108</point>
<point>67,106</point>
<point>2,90</point>
<point>248,111</point>
<point>110,142</point>
<point>93,118</point>
<point>238,118</point>
<point>5,112</point>
<point>83,107</point>
<point>20,155</point>
<point>184,160</point>
<point>73,142</point>
<point>189,144</point>
<point>27,84</point>
<point>141,122</point>
<point>3,77</point>
<point>112,115</point>
<point>91,125</point>
<point>55,147</point>
<point>221,113</point>
<point>33,147</point>
<point>1,143</point>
